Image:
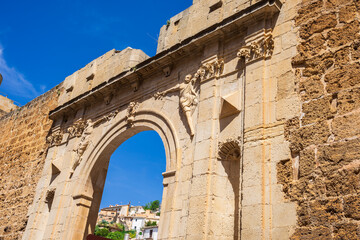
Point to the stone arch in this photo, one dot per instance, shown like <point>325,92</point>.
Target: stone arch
<point>90,177</point>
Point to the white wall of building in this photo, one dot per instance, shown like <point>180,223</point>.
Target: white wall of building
<point>147,231</point>
<point>138,223</point>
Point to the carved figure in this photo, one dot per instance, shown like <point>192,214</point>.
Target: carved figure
<point>188,97</point>
<point>85,141</point>
<point>131,111</point>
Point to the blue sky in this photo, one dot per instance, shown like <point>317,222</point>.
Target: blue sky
<point>42,42</point>
<point>135,171</point>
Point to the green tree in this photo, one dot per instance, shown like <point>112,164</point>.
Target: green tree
<point>104,222</point>
<point>153,205</point>
<point>150,223</point>
<point>102,232</point>
<point>132,234</point>
<point>120,226</point>
<point>116,235</point>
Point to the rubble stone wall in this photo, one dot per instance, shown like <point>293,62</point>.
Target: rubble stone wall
<point>323,176</point>
<point>22,153</point>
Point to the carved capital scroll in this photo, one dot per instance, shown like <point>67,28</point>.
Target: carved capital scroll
<point>55,138</point>
<point>257,49</point>
<point>77,128</point>
<point>211,69</point>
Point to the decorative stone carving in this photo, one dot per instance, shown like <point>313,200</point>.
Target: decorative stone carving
<point>77,128</point>
<point>55,138</point>
<point>107,98</point>
<point>111,115</point>
<point>213,69</point>
<point>229,150</point>
<point>135,84</point>
<point>50,195</point>
<point>167,70</point>
<point>230,105</point>
<point>188,97</point>
<point>261,48</point>
<point>85,141</point>
<point>131,111</point>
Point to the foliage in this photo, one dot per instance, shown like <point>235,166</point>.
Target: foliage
<point>158,214</point>
<point>102,232</point>
<point>116,235</point>
<point>120,226</point>
<point>132,234</point>
<point>104,222</point>
<point>153,205</point>
<point>150,223</point>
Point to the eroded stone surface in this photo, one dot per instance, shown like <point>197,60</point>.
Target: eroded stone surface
<point>327,71</point>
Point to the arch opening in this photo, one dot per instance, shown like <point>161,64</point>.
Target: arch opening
<point>133,179</point>
<point>91,175</point>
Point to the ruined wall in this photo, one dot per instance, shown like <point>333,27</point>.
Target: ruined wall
<point>6,105</point>
<point>22,153</point>
<point>324,172</point>
<point>23,135</point>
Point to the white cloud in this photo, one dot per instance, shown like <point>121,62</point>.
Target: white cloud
<point>14,82</point>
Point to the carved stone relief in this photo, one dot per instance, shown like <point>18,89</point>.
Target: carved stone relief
<point>77,128</point>
<point>131,111</point>
<point>188,95</point>
<point>229,150</point>
<point>108,98</point>
<point>55,138</point>
<point>212,69</point>
<point>257,49</point>
<point>86,136</point>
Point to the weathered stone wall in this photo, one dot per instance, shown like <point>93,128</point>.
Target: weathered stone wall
<point>6,105</point>
<point>22,153</point>
<point>201,15</point>
<point>324,172</point>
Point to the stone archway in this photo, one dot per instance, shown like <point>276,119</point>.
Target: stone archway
<point>211,98</point>
<point>90,176</point>
<point>85,182</point>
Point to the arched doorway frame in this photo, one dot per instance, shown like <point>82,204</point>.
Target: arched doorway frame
<point>90,180</point>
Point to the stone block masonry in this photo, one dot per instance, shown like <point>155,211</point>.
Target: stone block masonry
<point>261,128</point>
<point>324,173</point>
<point>22,155</point>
